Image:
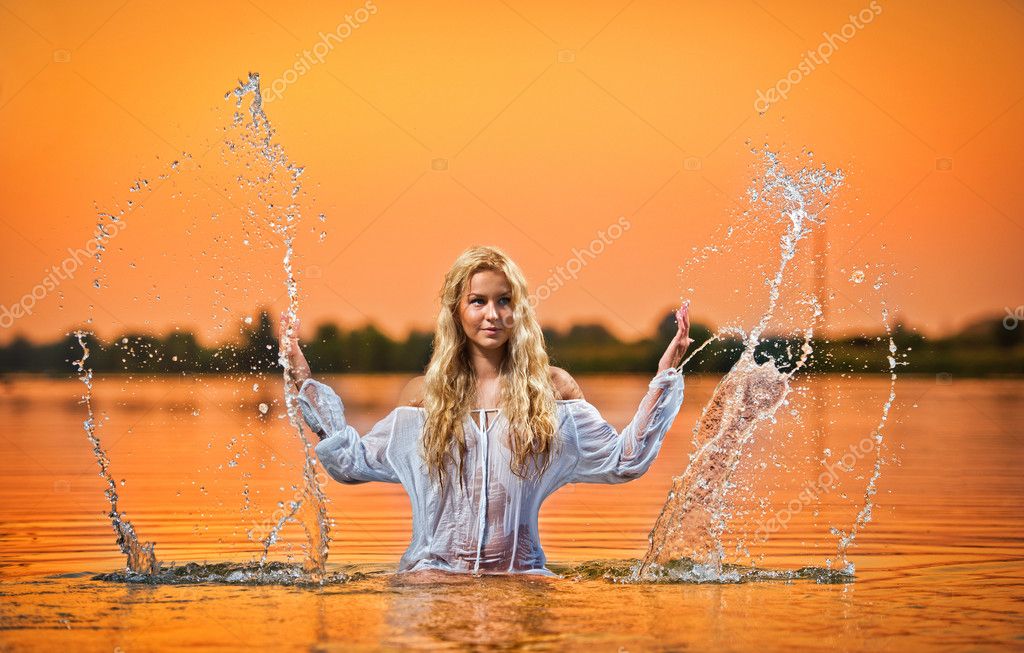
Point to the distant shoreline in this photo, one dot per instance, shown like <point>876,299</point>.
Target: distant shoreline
<point>986,349</point>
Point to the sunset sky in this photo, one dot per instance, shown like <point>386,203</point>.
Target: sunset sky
<point>425,128</point>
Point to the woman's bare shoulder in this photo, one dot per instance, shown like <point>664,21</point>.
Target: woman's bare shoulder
<point>565,386</point>
<point>412,393</point>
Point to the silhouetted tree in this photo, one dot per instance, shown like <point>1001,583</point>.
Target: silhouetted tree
<point>259,346</point>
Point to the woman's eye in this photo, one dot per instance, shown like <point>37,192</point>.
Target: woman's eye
<point>503,300</point>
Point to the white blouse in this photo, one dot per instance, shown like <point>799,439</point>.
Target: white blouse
<point>487,524</point>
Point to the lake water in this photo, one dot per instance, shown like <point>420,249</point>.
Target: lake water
<point>941,566</point>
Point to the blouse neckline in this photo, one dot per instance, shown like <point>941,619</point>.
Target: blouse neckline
<point>477,410</point>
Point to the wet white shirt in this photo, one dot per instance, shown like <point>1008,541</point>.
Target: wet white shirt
<point>488,524</point>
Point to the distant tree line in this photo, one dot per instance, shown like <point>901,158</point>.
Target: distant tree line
<point>984,348</point>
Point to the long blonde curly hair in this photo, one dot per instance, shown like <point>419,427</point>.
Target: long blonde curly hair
<point>527,393</point>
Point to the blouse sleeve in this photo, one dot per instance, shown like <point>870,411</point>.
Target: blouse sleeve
<point>347,457</point>
<point>606,456</point>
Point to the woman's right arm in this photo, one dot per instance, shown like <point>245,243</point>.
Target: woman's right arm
<point>347,457</point>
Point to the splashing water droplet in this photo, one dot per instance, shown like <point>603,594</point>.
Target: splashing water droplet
<point>141,558</point>
<point>699,506</point>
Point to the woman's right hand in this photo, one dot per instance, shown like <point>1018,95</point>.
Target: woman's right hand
<point>296,360</point>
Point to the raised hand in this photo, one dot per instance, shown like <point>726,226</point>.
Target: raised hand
<point>296,360</point>
<point>673,355</point>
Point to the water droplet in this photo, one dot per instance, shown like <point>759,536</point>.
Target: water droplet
<point>264,408</point>
<point>857,276</point>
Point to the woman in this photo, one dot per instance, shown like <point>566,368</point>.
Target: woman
<point>491,430</point>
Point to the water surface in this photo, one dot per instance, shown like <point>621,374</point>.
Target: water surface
<point>939,566</point>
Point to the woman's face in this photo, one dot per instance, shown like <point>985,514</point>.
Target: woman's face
<point>485,309</point>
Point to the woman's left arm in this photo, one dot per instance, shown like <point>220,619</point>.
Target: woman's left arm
<point>606,456</point>
<point>676,349</point>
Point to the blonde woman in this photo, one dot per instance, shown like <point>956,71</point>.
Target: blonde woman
<point>491,429</point>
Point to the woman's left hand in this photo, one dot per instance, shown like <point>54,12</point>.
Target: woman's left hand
<point>680,342</point>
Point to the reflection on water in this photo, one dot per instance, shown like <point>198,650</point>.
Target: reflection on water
<point>940,567</point>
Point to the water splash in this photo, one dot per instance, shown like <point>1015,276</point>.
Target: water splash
<point>271,186</point>
<point>310,510</point>
<point>845,540</point>
<point>226,573</point>
<point>690,525</point>
<point>687,571</point>
<point>693,518</point>
<point>141,557</point>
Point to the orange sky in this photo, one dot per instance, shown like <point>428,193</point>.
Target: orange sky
<point>554,119</point>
